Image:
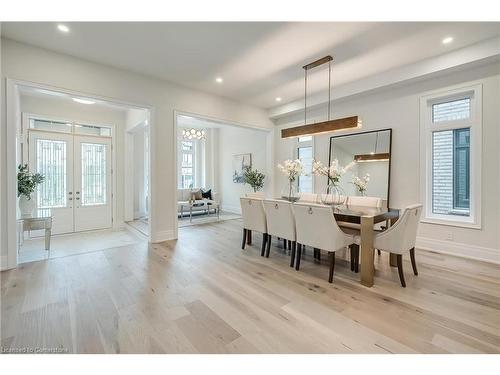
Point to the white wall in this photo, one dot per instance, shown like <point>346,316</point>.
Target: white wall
<point>94,114</point>
<point>28,63</point>
<point>234,141</point>
<point>398,108</point>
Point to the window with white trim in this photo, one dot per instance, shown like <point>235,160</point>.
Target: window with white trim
<point>186,167</point>
<point>451,156</point>
<point>305,154</point>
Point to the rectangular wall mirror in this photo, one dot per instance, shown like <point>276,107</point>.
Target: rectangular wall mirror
<point>372,153</point>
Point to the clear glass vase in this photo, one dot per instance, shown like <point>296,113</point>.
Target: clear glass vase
<point>333,195</point>
<point>289,192</point>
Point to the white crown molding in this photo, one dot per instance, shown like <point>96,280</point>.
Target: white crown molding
<point>476,54</point>
<point>462,250</point>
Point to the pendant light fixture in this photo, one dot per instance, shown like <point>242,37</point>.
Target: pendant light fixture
<point>191,134</point>
<point>325,126</point>
<point>372,156</point>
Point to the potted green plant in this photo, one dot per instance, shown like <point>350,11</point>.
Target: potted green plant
<point>254,178</point>
<point>26,185</point>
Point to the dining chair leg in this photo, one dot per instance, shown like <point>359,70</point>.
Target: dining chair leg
<point>299,253</point>
<point>354,257</point>
<point>268,245</point>
<point>318,255</point>
<point>379,252</point>
<point>292,257</point>
<point>332,265</point>
<point>284,243</point>
<point>249,237</point>
<point>244,239</point>
<point>399,258</point>
<point>264,242</point>
<point>289,245</point>
<point>413,263</point>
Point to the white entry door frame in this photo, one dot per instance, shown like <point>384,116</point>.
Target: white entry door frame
<point>11,154</point>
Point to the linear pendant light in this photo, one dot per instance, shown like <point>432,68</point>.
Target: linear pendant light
<point>374,156</point>
<point>324,126</point>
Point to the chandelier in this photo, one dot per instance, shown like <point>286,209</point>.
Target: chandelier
<point>193,134</point>
<point>324,126</point>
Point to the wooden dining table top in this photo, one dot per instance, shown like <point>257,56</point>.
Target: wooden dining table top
<point>354,213</point>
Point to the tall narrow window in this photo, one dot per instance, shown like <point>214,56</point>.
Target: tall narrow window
<point>305,154</point>
<point>451,131</point>
<point>186,179</point>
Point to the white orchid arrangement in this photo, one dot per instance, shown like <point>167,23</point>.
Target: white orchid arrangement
<point>334,172</point>
<point>291,168</point>
<point>361,183</point>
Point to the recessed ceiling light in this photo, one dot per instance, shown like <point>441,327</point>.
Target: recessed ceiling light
<point>219,80</point>
<point>447,40</point>
<point>63,28</point>
<point>278,99</point>
<point>83,101</point>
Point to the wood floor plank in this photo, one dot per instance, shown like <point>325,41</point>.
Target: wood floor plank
<point>203,294</point>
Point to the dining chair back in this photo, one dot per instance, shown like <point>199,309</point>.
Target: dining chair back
<point>280,223</point>
<point>308,197</point>
<point>280,219</point>
<point>364,201</point>
<point>401,237</point>
<point>316,227</point>
<point>254,219</point>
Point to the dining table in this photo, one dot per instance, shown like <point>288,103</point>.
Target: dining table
<point>367,217</point>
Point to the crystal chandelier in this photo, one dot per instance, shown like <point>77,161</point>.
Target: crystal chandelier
<point>193,133</point>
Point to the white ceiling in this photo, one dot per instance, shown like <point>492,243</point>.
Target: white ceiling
<point>258,60</point>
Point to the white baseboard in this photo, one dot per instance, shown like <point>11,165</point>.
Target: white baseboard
<point>231,209</point>
<point>164,235</point>
<point>484,254</point>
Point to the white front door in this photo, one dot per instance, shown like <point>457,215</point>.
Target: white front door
<point>92,179</point>
<point>77,187</point>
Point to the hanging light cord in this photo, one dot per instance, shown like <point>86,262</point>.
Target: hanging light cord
<point>305,97</point>
<point>329,86</point>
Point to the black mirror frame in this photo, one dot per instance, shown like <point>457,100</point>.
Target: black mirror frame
<point>390,154</point>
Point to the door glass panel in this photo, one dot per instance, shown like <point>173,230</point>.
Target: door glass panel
<point>93,174</point>
<point>51,163</point>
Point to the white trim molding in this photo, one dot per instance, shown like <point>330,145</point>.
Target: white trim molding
<point>427,128</point>
<point>462,250</point>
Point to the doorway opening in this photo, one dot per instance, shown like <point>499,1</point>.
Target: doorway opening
<point>76,143</point>
<point>211,158</point>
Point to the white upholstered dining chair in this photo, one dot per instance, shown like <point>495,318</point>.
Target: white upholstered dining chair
<point>364,201</point>
<point>254,219</point>
<point>308,197</point>
<point>316,226</point>
<point>280,223</point>
<point>400,238</point>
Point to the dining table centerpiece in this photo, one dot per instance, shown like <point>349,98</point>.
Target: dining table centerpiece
<point>333,194</point>
<point>361,184</point>
<point>291,169</point>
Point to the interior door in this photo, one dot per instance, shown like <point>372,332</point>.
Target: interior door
<point>51,154</point>
<point>92,183</point>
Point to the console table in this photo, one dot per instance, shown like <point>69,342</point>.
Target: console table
<point>35,223</point>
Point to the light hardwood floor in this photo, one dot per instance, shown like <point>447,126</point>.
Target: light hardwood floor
<point>203,294</point>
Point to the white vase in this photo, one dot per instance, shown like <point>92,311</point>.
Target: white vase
<point>26,206</point>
